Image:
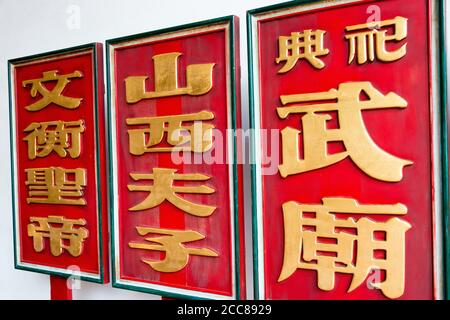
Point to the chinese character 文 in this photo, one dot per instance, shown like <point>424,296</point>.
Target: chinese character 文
<point>306,45</point>
<point>54,95</point>
<point>56,185</point>
<point>59,136</point>
<point>316,240</point>
<point>198,79</point>
<point>58,235</point>
<point>367,42</point>
<point>359,146</point>
<point>172,243</point>
<point>196,137</point>
<point>163,189</point>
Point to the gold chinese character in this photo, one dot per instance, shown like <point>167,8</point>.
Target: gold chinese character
<point>54,95</point>
<point>371,42</point>
<point>176,253</point>
<point>163,189</point>
<point>198,79</point>
<point>359,146</point>
<point>59,136</point>
<point>306,45</point>
<point>196,137</point>
<point>58,235</point>
<point>56,185</point>
<point>316,240</point>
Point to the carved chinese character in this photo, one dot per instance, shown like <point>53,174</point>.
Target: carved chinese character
<point>316,240</point>
<point>196,137</point>
<point>359,146</point>
<point>54,95</point>
<point>61,233</point>
<point>198,79</point>
<point>163,189</point>
<point>306,45</point>
<point>59,136</point>
<point>173,244</point>
<point>56,185</point>
<point>369,40</point>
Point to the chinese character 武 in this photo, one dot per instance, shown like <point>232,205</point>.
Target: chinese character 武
<point>359,146</point>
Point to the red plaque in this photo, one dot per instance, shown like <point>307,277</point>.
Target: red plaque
<point>58,163</point>
<point>177,220</point>
<point>352,207</point>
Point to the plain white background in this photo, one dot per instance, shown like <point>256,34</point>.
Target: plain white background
<point>35,26</point>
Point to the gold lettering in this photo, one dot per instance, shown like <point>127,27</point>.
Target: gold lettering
<point>55,95</point>
<point>58,235</point>
<point>312,242</point>
<point>177,254</point>
<point>163,189</point>
<point>196,137</point>
<point>306,45</point>
<point>371,42</point>
<point>198,79</point>
<point>59,136</point>
<point>360,147</point>
<point>56,185</point>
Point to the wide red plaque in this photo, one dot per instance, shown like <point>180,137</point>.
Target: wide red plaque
<point>349,206</point>
<point>59,163</point>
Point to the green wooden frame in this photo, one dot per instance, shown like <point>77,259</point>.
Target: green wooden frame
<point>444,145</point>
<point>11,65</point>
<point>442,70</point>
<point>232,46</point>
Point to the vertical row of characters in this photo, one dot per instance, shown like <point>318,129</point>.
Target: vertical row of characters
<point>58,162</point>
<point>176,218</point>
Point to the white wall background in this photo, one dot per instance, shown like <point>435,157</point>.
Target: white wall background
<point>34,26</point>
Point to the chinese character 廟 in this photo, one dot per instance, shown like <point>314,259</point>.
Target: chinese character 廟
<point>316,240</point>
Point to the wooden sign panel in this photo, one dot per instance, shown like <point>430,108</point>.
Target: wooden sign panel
<point>177,220</point>
<point>58,163</point>
<point>353,210</point>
